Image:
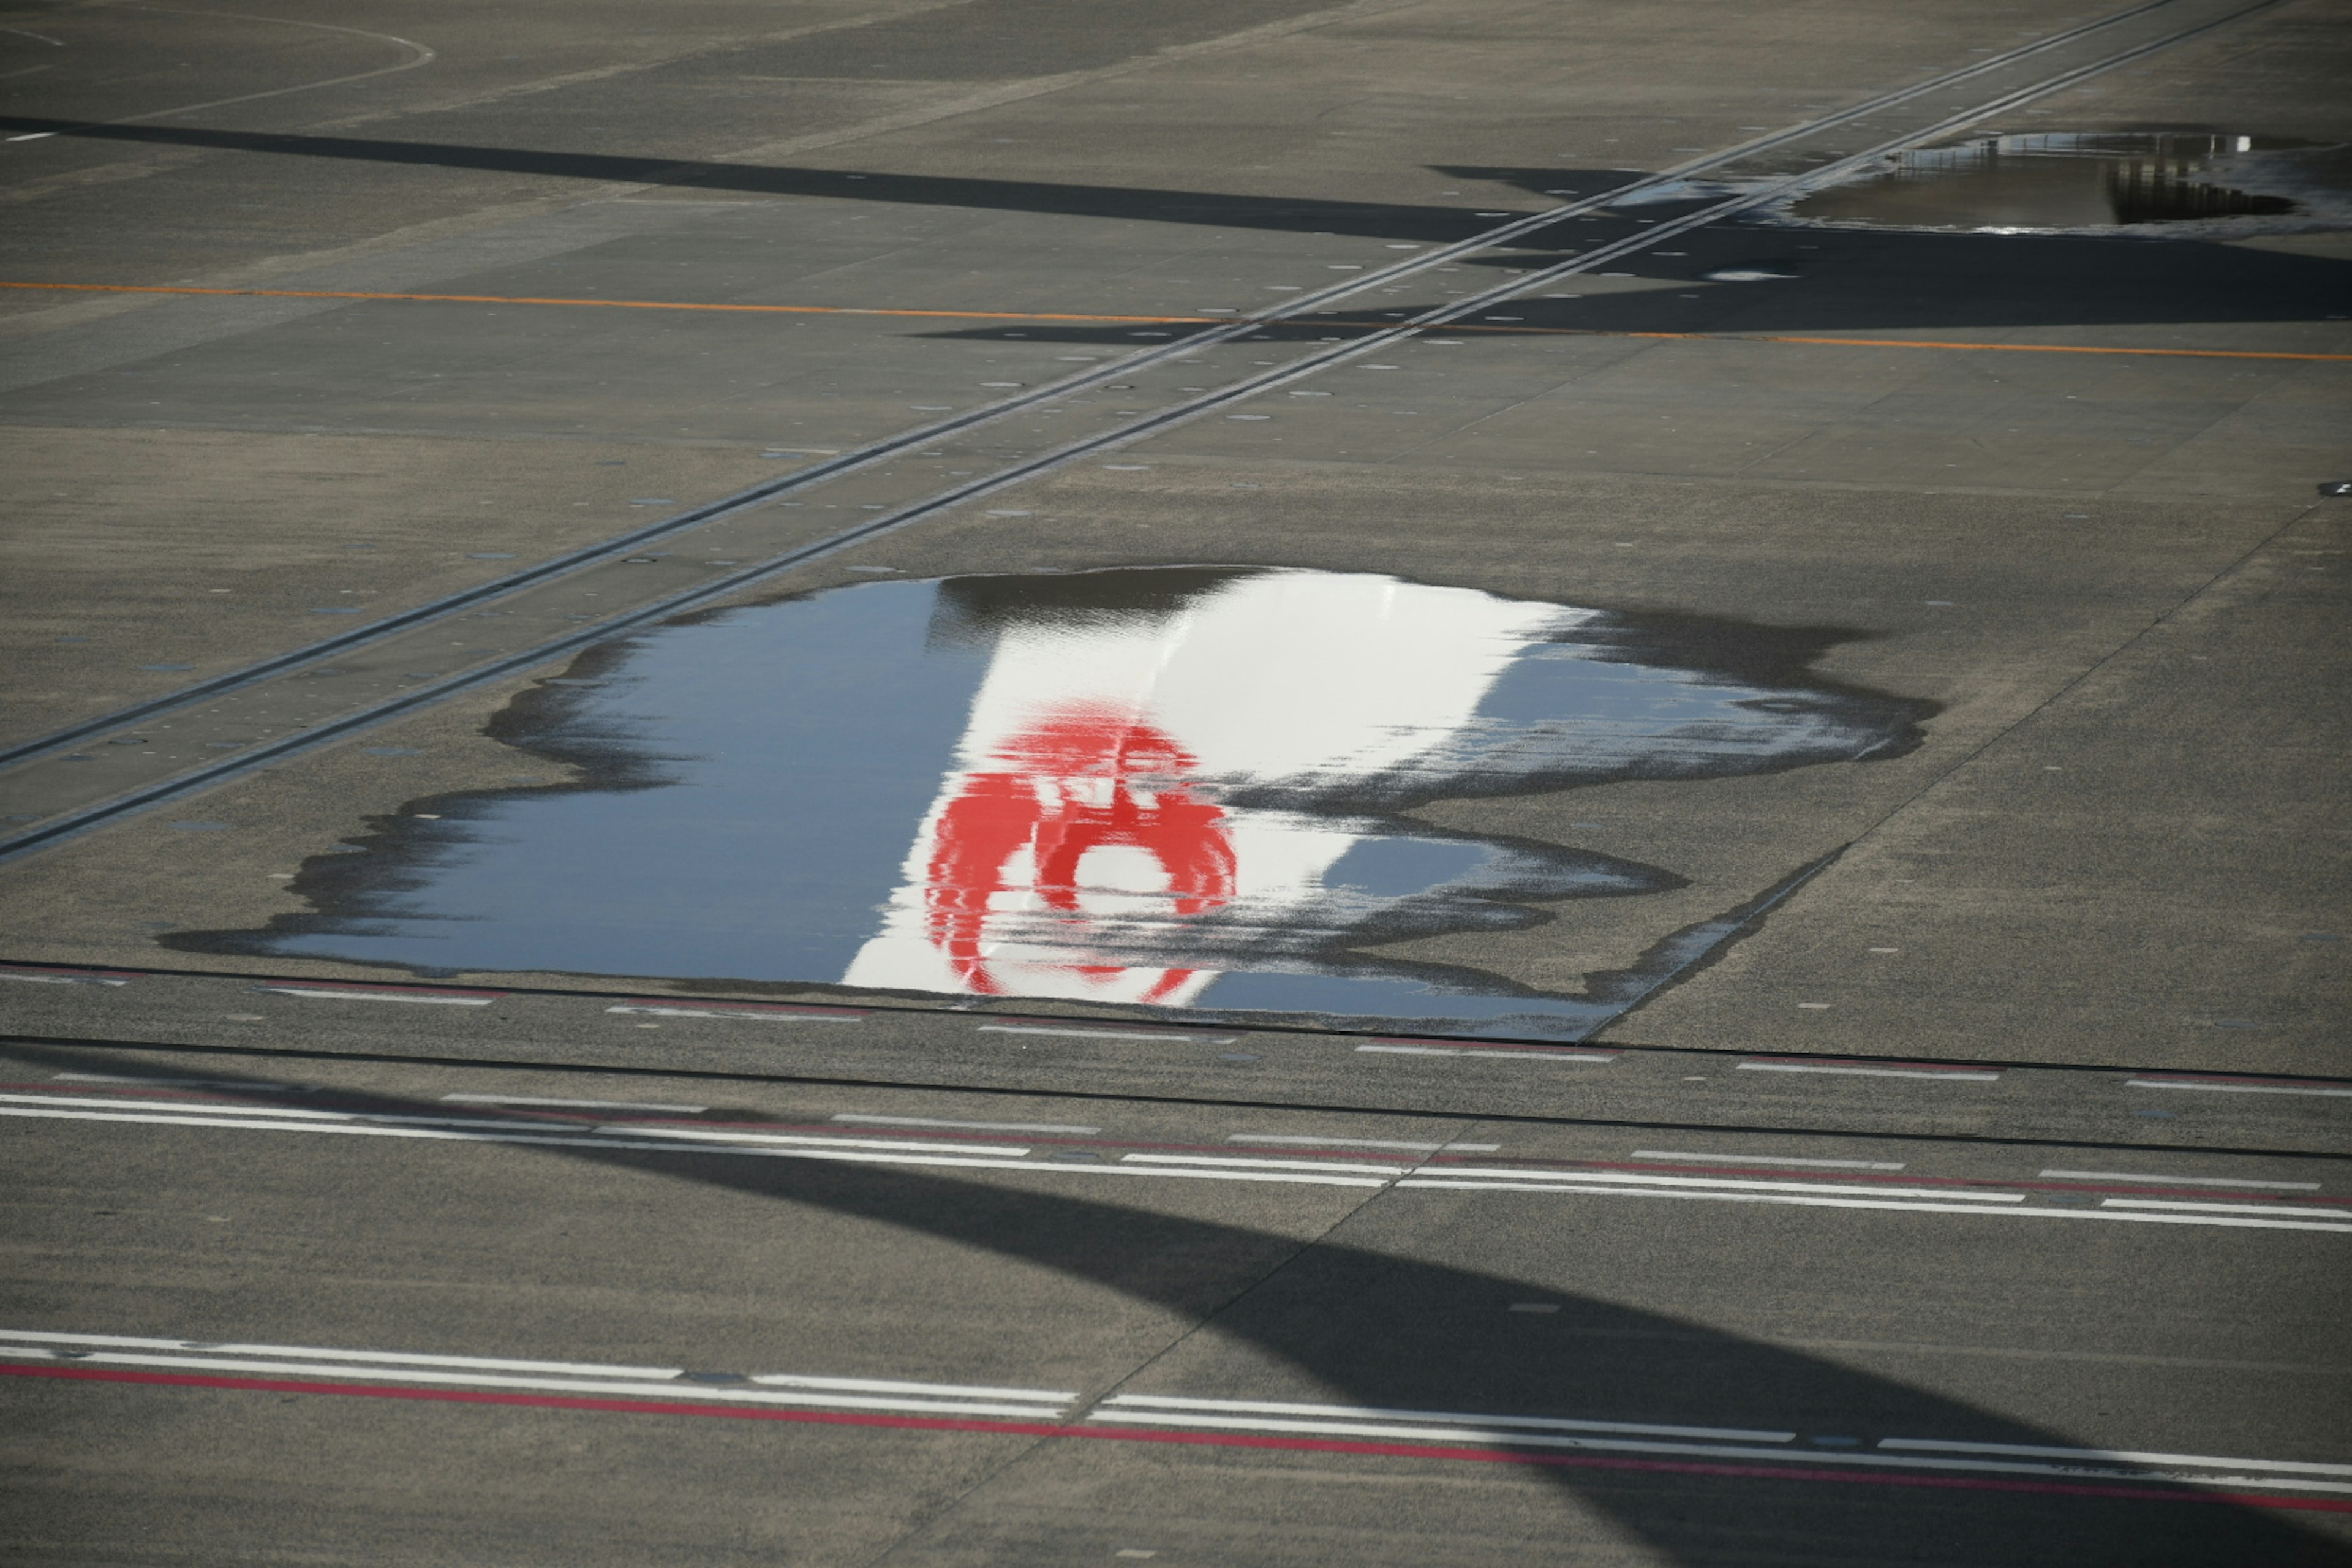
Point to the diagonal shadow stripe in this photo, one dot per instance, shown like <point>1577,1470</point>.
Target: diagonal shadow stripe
<point>1295,214</point>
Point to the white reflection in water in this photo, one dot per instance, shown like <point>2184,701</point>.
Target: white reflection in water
<point>1172,786</point>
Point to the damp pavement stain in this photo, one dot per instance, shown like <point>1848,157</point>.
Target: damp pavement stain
<point>1179,788</point>
<point>2073,182</point>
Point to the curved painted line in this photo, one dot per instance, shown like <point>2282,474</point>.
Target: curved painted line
<point>419,55</point>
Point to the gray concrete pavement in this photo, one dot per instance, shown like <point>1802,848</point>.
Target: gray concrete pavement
<point>1975,1197</point>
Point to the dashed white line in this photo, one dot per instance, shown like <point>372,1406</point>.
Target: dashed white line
<point>2235,1087</point>
<point>1502,1052</point>
<point>138,1080</point>
<point>1724,1184</point>
<point>1228,1163</point>
<point>1131,1401</point>
<point>1947,1075</point>
<point>810,1141</point>
<point>2274,1209</point>
<point>765,1015</point>
<point>437,998</point>
<point>1108,1034</point>
<point>61,976</point>
<point>616,1136</point>
<point>698,1391</point>
<point>1037,1127</point>
<point>571,1104</point>
<point>2122,1456</point>
<point>1767,1160</point>
<point>888,1385</point>
<point>313,1352</point>
<point>1799,1201</point>
<point>1287,1141</point>
<point>2180,1180</point>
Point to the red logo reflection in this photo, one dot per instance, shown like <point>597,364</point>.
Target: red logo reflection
<point>1081,779</point>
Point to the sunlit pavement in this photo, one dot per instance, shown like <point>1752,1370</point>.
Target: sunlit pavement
<point>1243,784</point>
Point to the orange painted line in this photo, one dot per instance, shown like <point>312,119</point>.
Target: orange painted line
<point>1190,320</point>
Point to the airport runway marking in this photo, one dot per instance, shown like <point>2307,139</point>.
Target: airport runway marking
<point>1368,1430</point>
<point>1219,320</point>
<point>2240,1086</point>
<point>1522,1053</point>
<point>1929,1071</point>
<point>765,1013</point>
<point>1830,1189</point>
<point>342,992</point>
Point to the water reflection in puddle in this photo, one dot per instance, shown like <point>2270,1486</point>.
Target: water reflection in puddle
<point>1178,787</point>
<point>2073,181</point>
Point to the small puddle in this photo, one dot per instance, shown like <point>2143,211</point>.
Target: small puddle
<point>1178,787</point>
<point>2074,181</point>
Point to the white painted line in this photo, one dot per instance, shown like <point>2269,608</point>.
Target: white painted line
<point>203,1113</point>
<point>2180,1180</point>
<point>697,1392</point>
<point>135,1081</point>
<point>1108,1034</point>
<point>2293,1209</point>
<point>632,1137</point>
<point>1842,1202</point>
<point>1288,1142</point>
<point>808,1141</point>
<point>1039,1127</point>
<point>574,1104</point>
<point>1747,1452</point>
<point>1945,1074</point>
<point>847,1150</point>
<point>34,136</point>
<point>2232,1088</point>
<point>766,1014</point>
<point>1312,1176</point>
<point>34,977</point>
<point>2123,1456</point>
<point>967,1157</point>
<point>945,1390</point>
<point>1366,1412</point>
<point>1732,1183</point>
<point>1497,1052</point>
<point>1228,1162</point>
<point>323,993</point>
<point>197,1109</point>
<point>1769,1160</point>
<point>312,1352</point>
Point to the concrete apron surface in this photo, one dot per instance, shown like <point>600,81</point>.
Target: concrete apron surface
<point>2102,576</point>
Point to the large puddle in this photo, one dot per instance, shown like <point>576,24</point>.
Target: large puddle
<point>1181,787</point>
<point>2070,181</point>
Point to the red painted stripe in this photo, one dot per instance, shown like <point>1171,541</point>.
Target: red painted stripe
<point>2156,1491</point>
<point>1993,1067</point>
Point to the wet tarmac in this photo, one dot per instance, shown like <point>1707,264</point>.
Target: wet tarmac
<point>1180,787</point>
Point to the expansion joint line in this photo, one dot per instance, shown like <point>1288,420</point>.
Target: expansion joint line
<point>72,822</point>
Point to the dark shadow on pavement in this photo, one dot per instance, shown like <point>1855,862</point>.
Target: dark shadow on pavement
<point>1368,1327</point>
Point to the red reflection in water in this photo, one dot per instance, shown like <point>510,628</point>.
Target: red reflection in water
<point>1070,784</point>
